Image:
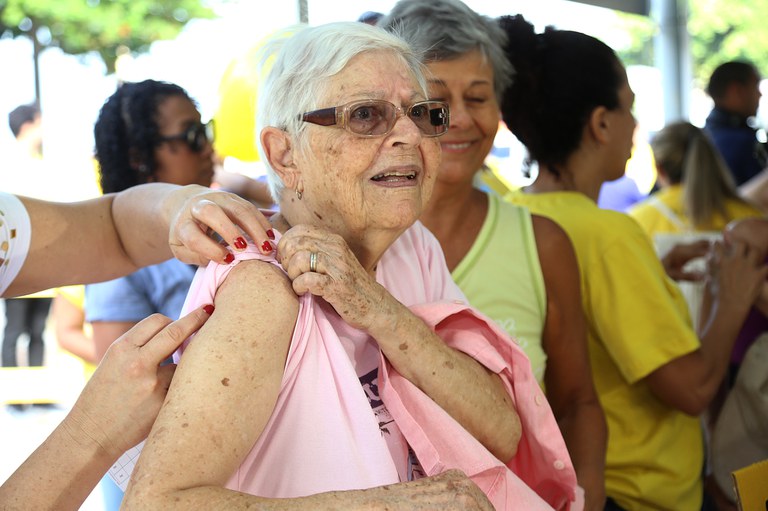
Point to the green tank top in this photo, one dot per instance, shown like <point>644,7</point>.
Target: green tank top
<point>501,276</point>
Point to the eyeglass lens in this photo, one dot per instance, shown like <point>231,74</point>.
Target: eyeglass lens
<point>379,117</point>
<point>196,136</point>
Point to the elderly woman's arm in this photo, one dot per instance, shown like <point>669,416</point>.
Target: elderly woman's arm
<point>220,400</point>
<point>221,397</point>
<point>470,393</point>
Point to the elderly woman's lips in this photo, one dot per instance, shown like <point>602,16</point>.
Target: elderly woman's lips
<point>394,176</point>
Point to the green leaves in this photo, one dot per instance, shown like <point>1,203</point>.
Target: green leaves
<point>719,30</point>
<point>82,26</point>
<point>723,30</point>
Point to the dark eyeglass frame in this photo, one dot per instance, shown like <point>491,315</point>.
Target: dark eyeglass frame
<point>339,116</point>
<point>195,136</point>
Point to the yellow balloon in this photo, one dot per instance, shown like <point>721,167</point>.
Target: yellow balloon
<point>234,122</point>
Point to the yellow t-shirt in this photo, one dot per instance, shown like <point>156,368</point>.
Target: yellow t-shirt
<point>76,296</point>
<point>662,217</point>
<point>637,322</point>
<point>664,212</point>
<point>501,277</point>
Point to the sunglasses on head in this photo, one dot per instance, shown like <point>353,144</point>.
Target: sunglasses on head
<point>196,136</point>
<point>376,118</point>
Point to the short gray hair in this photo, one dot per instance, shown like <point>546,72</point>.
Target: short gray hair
<point>447,29</point>
<point>305,58</point>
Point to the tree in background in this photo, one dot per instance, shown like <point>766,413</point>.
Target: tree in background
<point>723,30</point>
<point>108,27</point>
<point>719,30</point>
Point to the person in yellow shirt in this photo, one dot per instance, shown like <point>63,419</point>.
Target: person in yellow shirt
<point>571,106</point>
<point>696,192</point>
<point>696,200</point>
<point>73,334</point>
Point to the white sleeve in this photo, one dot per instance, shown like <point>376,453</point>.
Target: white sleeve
<point>15,234</point>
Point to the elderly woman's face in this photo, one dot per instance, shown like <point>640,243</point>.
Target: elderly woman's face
<point>352,183</point>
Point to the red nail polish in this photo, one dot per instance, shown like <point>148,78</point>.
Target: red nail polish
<point>229,258</point>
<point>240,243</point>
<point>266,247</point>
<point>208,309</point>
<point>270,234</point>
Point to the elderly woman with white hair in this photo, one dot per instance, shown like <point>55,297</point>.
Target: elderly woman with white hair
<point>346,361</point>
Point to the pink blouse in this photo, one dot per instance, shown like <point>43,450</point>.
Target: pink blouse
<point>323,436</point>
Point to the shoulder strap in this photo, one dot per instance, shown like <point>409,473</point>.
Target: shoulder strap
<point>670,215</point>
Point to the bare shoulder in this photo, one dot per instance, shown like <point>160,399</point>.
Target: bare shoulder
<point>224,388</point>
<point>256,282</point>
<point>255,304</point>
<point>247,335</point>
<point>551,239</point>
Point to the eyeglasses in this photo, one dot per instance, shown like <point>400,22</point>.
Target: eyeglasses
<point>196,136</point>
<point>376,118</point>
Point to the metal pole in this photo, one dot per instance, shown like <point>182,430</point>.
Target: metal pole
<point>672,56</point>
<point>303,11</point>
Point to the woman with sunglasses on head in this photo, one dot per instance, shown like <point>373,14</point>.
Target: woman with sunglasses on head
<point>571,105</point>
<point>517,268</point>
<point>352,362</point>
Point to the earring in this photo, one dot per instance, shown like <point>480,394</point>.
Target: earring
<point>298,194</point>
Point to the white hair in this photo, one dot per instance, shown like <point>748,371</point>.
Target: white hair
<point>304,59</point>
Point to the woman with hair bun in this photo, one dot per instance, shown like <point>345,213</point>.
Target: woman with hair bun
<point>571,106</point>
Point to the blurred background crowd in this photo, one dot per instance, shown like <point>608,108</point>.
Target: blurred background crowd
<point>64,62</point>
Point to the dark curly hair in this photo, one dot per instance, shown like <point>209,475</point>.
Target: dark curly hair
<point>560,78</point>
<point>126,133</point>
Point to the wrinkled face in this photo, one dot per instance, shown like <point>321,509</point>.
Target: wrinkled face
<point>350,183</point>
<point>466,84</point>
<point>177,163</point>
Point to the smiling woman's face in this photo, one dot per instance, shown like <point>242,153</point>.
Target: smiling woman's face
<point>351,184</point>
<point>466,84</point>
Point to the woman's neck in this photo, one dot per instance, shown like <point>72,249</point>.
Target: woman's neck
<point>279,222</point>
<point>448,206</point>
<point>574,176</point>
<point>455,216</point>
